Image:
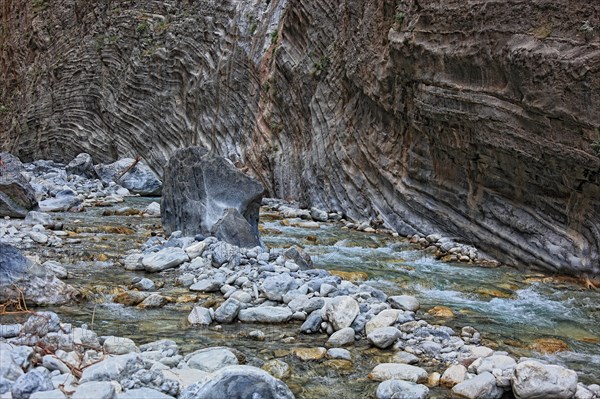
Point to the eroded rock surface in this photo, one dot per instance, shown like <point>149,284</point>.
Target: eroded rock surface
<point>23,280</point>
<point>17,197</point>
<point>204,194</point>
<point>473,119</point>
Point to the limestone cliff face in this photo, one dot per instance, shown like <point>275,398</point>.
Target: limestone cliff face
<point>476,119</point>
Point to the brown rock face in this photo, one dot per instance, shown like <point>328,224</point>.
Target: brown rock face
<point>475,119</point>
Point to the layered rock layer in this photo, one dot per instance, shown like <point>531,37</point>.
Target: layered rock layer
<point>476,119</point>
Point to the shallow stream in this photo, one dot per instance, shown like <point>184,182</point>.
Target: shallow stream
<point>510,308</point>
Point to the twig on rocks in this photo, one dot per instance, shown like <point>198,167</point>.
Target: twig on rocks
<point>137,159</point>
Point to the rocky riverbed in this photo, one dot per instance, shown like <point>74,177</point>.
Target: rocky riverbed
<point>261,317</point>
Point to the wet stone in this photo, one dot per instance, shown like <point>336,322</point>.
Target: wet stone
<point>398,389</point>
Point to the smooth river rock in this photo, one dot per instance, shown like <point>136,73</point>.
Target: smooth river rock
<point>341,311</point>
<point>241,382</point>
<point>211,359</point>
<point>482,386</point>
<point>384,337</point>
<point>265,314</point>
<point>534,380</point>
<point>398,389</point>
<point>389,371</point>
<point>164,259</point>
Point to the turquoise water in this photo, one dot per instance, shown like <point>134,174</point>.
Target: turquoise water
<point>510,308</point>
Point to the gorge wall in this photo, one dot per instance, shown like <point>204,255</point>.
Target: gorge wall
<point>475,119</point>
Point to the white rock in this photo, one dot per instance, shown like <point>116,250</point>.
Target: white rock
<point>397,371</point>
<point>52,363</point>
<point>241,296</point>
<point>153,209</point>
<point>56,268</point>
<point>186,377</point>
<point>341,311</point>
<point>195,250</point>
<point>493,362</point>
<point>265,314</point>
<point>133,262</point>
<point>384,337</point>
<point>164,259</point>
<point>200,316</point>
<point>38,237</point>
<point>67,381</point>
<point>453,375</point>
<point>534,380</point>
<point>95,390</point>
<point>404,302</point>
<point>211,359</point>
<point>385,318</point>
<point>342,337</point>
<point>583,392</point>
<point>119,345</point>
<point>482,386</point>
<point>397,389</point>
<point>113,369</point>
<point>54,394</point>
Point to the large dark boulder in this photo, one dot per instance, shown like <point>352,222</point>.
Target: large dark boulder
<point>20,277</point>
<point>17,197</point>
<point>238,382</point>
<point>132,174</point>
<point>82,165</point>
<point>234,229</point>
<point>199,187</point>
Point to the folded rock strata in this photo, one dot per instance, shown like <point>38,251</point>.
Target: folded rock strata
<point>477,120</point>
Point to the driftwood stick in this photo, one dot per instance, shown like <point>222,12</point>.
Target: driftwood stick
<point>137,159</point>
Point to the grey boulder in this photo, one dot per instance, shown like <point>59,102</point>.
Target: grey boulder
<point>398,389</point>
<point>95,390</point>
<point>199,186</point>
<point>384,337</point>
<point>143,393</point>
<point>81,165</point>
<point>200,316</point>
<point>482,386</point>
<point>113,369</point>
<point>265,314</point>
<point>17,197</point>
<point>34,381</point>
<point>134,175</point>
<point>274,287</point>
<point>63,201</point>
<point>239,382</point>
<point>211,359</point>
<point>228,311</point>
<point>164,259</point>
<point>534,380</point>
<point>36,284</point>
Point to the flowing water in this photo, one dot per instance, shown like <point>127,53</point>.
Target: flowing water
<point>510,308</point>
